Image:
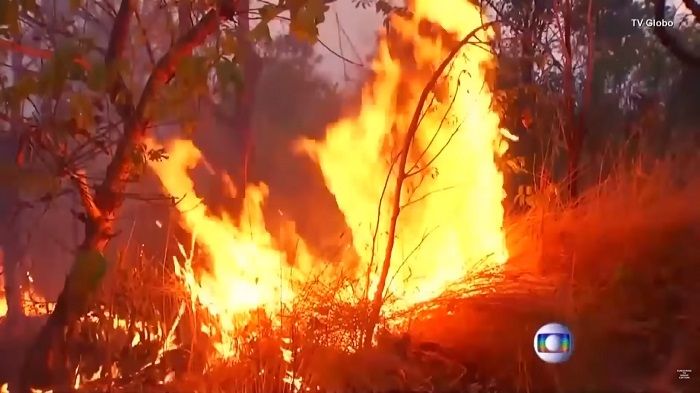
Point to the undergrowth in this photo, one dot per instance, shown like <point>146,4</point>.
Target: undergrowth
<point>619,266</point>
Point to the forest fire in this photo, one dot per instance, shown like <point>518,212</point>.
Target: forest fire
<point>248,272</point>
<point>451,215</point>
<point>321,221</point>
<point>33,304</point>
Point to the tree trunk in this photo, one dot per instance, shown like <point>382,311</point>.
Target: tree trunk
<point>245,95</point>
<point>527,145</point>
<point>576,125</point>
<point>572,131</point>
<point>10,239</point>
<point>587,90</point>
<point>45,365</point>
<point>10,257</point>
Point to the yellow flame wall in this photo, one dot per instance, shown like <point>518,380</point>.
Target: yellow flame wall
<point>453,214</point>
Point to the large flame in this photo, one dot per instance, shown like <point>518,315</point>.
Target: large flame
<point>248,270</point>
<point>3,303</point>
<point>452,215</point>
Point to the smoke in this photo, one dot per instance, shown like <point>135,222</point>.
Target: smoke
<point>291,101</point>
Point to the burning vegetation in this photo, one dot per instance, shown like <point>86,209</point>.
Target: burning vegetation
<point>420,191</point>
<point>442,215</point>
<point>419,172</point>
<point>33,304</point>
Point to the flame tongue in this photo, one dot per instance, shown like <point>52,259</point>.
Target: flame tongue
<point>247,269</point>
<point>452,213</point>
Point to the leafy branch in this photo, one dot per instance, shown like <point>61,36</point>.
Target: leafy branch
<point>102,208</point>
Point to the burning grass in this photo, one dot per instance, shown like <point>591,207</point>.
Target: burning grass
<point>620,268</point>
<point>239,311</point>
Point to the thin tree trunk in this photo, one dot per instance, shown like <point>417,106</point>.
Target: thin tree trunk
<point>401,176</point>
<point>245,95</point>
<point>9,261</point>
<point>572,131</point>
<point>576,124</point>
<point>11,241</point>
<point>527,145</point>
<point>587,93</point>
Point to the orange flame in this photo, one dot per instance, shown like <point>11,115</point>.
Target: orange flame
<point>451,216</point>
<point>3,305</point>
<point>248,270</point>
<point>33,304</point>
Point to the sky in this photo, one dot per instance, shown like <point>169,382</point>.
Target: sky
<point>361,27</point>
<point>357,30</point>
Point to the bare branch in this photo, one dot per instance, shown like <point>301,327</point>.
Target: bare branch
<point>80,181</point>
<point>119,94</point>
<point>38,52</point>
<point>110,193</point>
<point>147,41</point>
<point>338,55</point>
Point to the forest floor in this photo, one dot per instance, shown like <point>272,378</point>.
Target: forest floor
<point>621,269</point>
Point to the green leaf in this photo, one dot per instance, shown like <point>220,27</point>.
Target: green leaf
<point>58,70</point>
<point>26,86</point>
<point>318,9</point>
<point>228,73</point>
<point>97,77</point>
<point>86,44</point>
<point>261,32</point>
<point>88,270</point>
<point>269,12</point>
<point>191,75</point>
<point>305,21</point>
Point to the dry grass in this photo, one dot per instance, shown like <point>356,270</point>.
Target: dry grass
<point>620,267</point>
